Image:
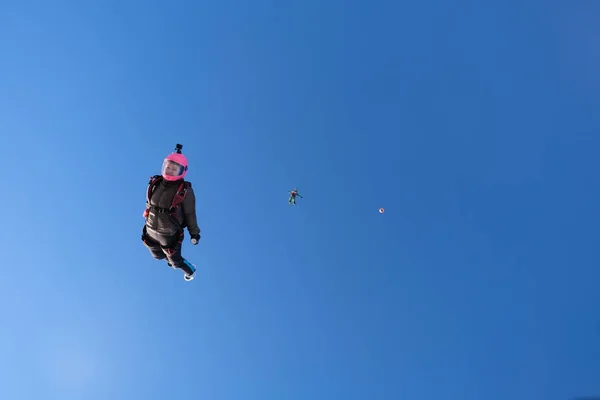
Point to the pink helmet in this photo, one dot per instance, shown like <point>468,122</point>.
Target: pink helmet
<point>175,166</point>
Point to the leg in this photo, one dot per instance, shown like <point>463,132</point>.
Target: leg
<point>176,260</point>
<point>152,245</point>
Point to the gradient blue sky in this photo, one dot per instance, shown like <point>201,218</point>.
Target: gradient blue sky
<point>475,125</point>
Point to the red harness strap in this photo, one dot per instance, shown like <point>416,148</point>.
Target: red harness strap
<point>177,199</point>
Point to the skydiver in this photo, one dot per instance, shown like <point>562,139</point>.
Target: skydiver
<point>171,207</point>
<point>293,194</point>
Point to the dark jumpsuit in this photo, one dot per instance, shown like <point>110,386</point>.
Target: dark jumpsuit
<point>162,234</point>
<point>292,199</point>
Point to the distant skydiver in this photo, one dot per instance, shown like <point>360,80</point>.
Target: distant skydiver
<point>293,194</point>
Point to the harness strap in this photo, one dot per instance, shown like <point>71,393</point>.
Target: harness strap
<point>151,183</point>
<point>179,195</point>
<point>175,203</point>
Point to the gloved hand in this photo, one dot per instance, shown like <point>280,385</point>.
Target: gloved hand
<point>195,239</point>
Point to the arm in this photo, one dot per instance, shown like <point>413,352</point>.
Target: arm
<point>189,213</point>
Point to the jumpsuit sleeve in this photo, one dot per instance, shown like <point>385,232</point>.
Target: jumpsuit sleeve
<point>189,212</point>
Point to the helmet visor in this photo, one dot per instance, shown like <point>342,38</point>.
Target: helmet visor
<point>171,168</point>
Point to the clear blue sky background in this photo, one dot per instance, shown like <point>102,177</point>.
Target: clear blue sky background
<point>476,126</point>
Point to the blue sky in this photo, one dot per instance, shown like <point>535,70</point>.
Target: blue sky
<point>474,125</point>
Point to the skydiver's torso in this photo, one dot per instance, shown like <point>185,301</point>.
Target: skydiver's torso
<point>159,222</point>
